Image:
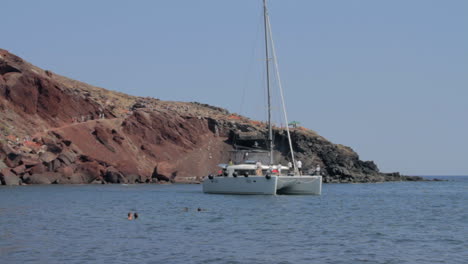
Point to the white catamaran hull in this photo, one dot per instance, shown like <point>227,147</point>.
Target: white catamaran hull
<point>262,185</point>
<point>299,185</point>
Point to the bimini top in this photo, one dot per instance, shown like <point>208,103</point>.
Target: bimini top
<point>250,156</point>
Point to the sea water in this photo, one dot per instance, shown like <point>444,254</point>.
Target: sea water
<point>398,222</point>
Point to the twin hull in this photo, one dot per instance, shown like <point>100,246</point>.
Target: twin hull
<point>262,185</point>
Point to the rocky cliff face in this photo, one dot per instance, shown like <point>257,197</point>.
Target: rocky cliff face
<point>57,130</point>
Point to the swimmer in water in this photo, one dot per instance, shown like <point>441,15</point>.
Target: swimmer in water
<point>130,216</point>
<point>135,215</point>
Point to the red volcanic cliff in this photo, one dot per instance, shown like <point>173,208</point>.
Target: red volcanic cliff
<point>57,130</point>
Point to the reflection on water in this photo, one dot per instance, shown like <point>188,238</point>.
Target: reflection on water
<point>422,222</point>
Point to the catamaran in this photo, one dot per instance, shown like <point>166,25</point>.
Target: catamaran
<point>254,171</point>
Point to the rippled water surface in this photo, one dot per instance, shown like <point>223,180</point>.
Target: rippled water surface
<point>403,222</point>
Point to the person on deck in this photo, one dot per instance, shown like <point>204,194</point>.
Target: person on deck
<point>317,170</point>
<point>290,168</point>
<point>258,167</point>
<point>299,167</point>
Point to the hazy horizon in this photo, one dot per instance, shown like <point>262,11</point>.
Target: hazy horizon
<point>388,79</point>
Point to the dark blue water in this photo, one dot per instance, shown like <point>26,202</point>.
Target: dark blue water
<point>403,222</point>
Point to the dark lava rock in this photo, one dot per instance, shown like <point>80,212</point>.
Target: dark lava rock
<point>104,137</point>
<point>137,105</point>
<point>20,169</point>
<point>3,165</point>
<point>158,176</point>
<point>38,169</point>
<point>47,156</point>
<point>436,179</point>
<point>13,160</point>
<point>5,149</point>
<point>412,178</point>
<point>67,157</point>
<point>88,172</point>
<point>66,172</point>
<point>114,176</point>
<point>8,178</point>
<point>53,165</point>
<point>38,179</point>
<point>31,161</point>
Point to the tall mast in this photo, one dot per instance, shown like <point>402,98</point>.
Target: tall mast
<point>270,131</point>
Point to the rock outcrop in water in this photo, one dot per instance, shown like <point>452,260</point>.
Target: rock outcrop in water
<point>57,130</point>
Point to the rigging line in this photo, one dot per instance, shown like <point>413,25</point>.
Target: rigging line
<point>264,96</point>
<point>250,65</point>
<point>275,62</point>
<point>277,112</point>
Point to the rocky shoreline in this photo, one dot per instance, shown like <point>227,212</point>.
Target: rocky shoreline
<point>55,130</point>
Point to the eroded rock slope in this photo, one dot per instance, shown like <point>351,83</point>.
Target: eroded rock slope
<point>57,130</point>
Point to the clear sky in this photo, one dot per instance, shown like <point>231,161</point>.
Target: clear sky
<point>387,78</point>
